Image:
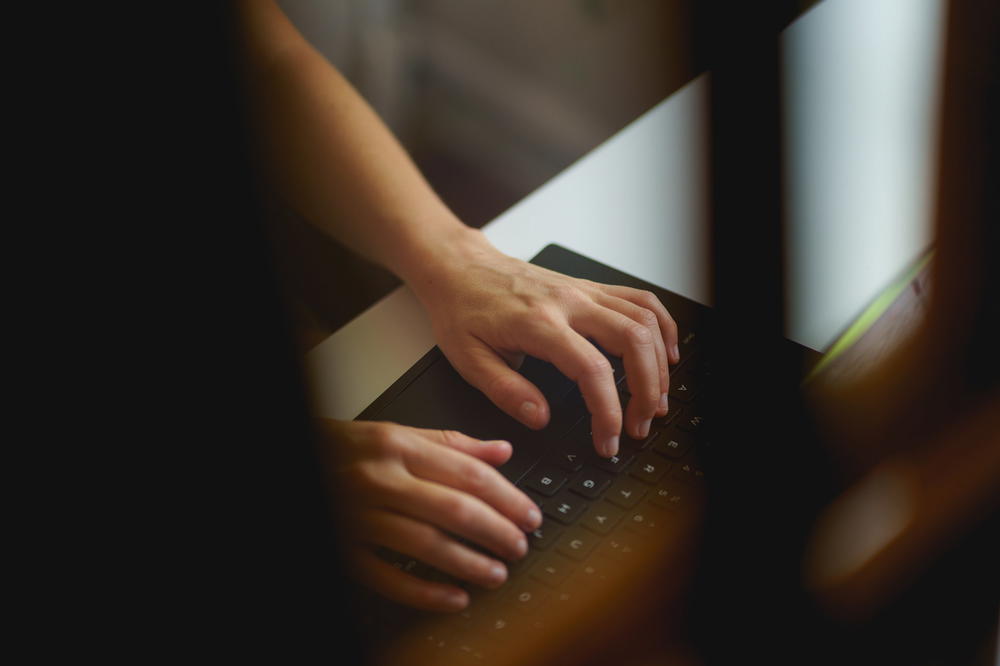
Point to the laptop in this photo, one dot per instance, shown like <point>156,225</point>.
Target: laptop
<point>608,524</point>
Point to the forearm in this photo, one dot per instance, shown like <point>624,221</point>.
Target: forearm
<point>330,155</point>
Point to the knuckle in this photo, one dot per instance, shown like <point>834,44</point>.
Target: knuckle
<point>476,477</point>
<point>390,447</point>
<point>651,397</point>
<point>461,511</point>
<point>597,365</point>
<point>451,437</point>
<point>610,416</point>
<point>545,318</point>
<point>383,436</point>
<point>426,542</point>
<point>502,386</point>
<point>566,294</point>
<point>647,317</point>
<point>368,475</point>
<point>638,334</point>
<point>648,298</point>
<point>375,430</point>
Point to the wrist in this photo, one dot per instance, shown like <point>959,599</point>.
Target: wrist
<point>431,262</point>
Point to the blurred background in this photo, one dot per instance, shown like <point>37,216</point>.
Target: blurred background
<point>491,99</point>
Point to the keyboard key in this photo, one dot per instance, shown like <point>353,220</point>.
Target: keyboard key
<point>570,460</point>
<point>565,507</point>
<point>545,535</point>
<point>499,623</point>
<point>649,468</point>
<point>646,519</point>
<point>527,596</point>
<point>577,543</point>
<point>692,422</point>
<point>595,570</point>
<point>438,640</point>
<point>673,444</point>
<point>661,422</point>
<point>625,492</point>
<point>566,597</point>
<point>622,545</point>
<point>614,464</point>
<point>683,385</point>
<point>469,648</point>
<point>590,483</point>
<point>553,569</point>
<point>687,473</point>
<point>516,566</point>
<point>667,499</point>
<point>602,518</point>
<point>687,342</point>
<point>545,480</point>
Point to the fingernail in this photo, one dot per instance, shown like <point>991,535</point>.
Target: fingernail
<point>457,599</point>
<point>644,428</point>
<point>677,353</point>
<point>498,573</point>
<point>663,403</point>
<point>529,412</point>
<point>611,446</point>
<point>534,518</point>
<point>522,547</point>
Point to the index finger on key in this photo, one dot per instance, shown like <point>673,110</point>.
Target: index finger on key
<point>579,360</point>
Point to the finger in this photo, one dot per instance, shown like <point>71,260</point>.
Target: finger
<point>493,451</point>
<point>635,343</point>
<point>431,546</point>
<point>648,319</point>
<point>458,470</point>
<point>406,589</point>
<point>460,513</point>
<point>580,361</point>
<point>480,365</point>
<point>648,300</point>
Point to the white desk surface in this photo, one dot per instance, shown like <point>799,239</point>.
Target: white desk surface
<point>862,83</point>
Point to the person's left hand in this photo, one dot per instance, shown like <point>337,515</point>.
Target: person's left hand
<point>488,310</point>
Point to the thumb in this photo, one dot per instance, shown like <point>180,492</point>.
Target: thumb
<point>482,367</point>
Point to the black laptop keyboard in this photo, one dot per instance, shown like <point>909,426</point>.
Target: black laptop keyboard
<point>597,512</point>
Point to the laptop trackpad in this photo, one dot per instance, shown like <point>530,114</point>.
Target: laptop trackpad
<point>439,398</point>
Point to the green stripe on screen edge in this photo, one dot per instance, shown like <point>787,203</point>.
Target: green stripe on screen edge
<point>870,315</point>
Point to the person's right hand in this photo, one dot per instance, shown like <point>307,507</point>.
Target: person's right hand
<point>416,492</point>
<point>488,310</point>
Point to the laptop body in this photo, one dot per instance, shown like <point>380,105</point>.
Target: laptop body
<point>600,516</point>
